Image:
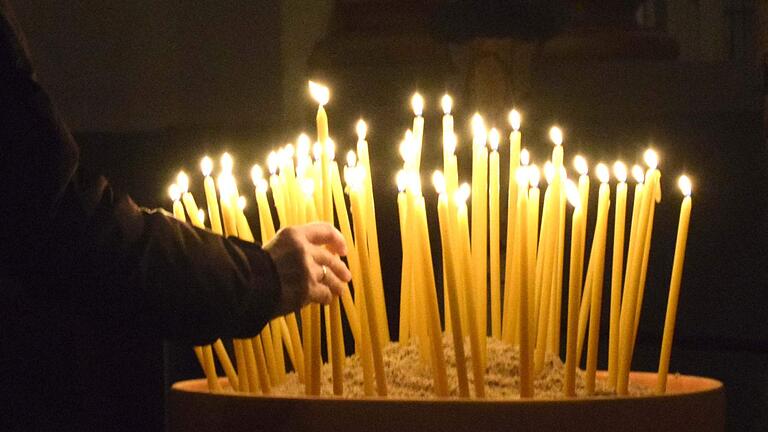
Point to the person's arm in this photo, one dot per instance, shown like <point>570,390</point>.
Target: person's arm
<point>188,283</point>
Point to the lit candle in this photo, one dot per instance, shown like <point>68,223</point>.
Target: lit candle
<point>620,171</point>
<point>674,285</point>
<point>479,236</point>
<point>556,135</point>
<point>495,246</point>
<point>451,294</point>
<point>514,162</point>
<point>601,229</point>
<point>447,103</point>
<point>534,197</point>
<point>206,165</point>
<point>417,103</point>
<point>406,273</point>
<point>321,95</point>
<point>574,284</point>
<point>524,336</point>
<point>544,260</point>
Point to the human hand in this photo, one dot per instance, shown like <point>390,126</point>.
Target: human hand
<point>308,264</point>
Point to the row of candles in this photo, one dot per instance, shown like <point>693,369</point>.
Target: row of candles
<point>525,313</point>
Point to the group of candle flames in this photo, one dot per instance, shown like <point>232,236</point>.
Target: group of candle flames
<point>525,314</point>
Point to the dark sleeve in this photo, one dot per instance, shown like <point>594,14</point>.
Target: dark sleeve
<point>186,283</point>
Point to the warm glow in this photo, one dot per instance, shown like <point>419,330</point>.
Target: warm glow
<point>638,173</point>
<point>406,146</point>
<point>462,193</point>
<point>580,164</point>
<point>494,138</point>
<point>438,180</point>
<point>174,192</point>
<point>256,174</point>
<point>354,177</point>
<point>362,130</point>
<point>290,151</point>
<point>206,166</point>
<point>525,157</point>
<point>602,172</point>
<point>351,158</point>
<point>317,151</point>
<point>417,103</point>
<point>272,162</point>
<point>521,176</point>
<point>201,216</point>
<point>319,92</point>
<point>227,162</point>
<point>556,135</point>
<point>534,174</point>
<point>478,125</point>
<point>262,186</point>
<point>449,144</point>
<point>241,202</point>
<point>224,182</point>
<point>182,179</point>
<point>330,149</point>
<point>651,158</point>
<point>414,183</point>
<point>572,193</point>
<point>308,187</point>
<point>685,185</point>
<point>549,172</point>
<point>401,179</point>
<point>447,103</point>
<point>620,171</point>
<point>303,145</point>
<point>515,119</point>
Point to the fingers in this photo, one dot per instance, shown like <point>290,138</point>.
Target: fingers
<point>334,264</point>
<point>321,233</point>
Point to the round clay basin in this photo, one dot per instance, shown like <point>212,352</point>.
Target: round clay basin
<point>691,404</point>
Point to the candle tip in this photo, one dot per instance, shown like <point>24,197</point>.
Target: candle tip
<point>556,135</point>
<point>684,183</point>
<point>494,138</point>
<point>638,174</point>
<point>206,166</point>
<point>572,193</point>
<point>549,172</point>
<point>438,180</point>
<point>182,179</point>
<point>319,93</point>
<point>515,119</point>
<point>317,151</point>
<point>401,180</point>
<point>227,162</point>
<point>303,145</point>
<point>478,124</point>
<point>580,164</point>
<point>241,202</point>
<point>525,157</point>
<point>462,193</point>
<point>362,129</point>
<point>446,103</point>
<point>351,159</point>
<point>330,149</point>
<point>521,176</point>
<point>535,175</point>
<point>417,103</point>
<point>620,171</point>
<point>256,174</point>
<point>651,158</point>
<point>262,186</point>
<point>201,215</point>
<point>174,192</point>
<point>602,172</point>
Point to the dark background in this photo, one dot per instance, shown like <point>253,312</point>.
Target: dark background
<point>150,87</point>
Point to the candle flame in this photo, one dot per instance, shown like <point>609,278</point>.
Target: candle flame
<point>362,130</point>
<point>317,151</point>
<point>256,174</point>
<point>535,175</point>
<point>525,157</point>
<point>572,193</point>
<point>462,193</point>
<point>515,119</point>
<point>446,103</point>
<point>638,173</point>
<point>262,186</point>
<point>225,183</point>
<point>684,183</point>
<point>351,158</point>
<point>494,138</point>
<point>206,166</point>
<point>407,149</point>
<point>303,145</point>
<point>319,93</point>
<point>417,103</point>
<point>330,149</point>
<point>651,158</point>
<point>174,192</point>
<point>602,172</point>
<point>272,162</point>
<point>227,162</point>
<point>580,164</point>
<point>182,179</point>
<point>521,176</point>
<point>290,151</point>
<point>201,216</point>
<point>549,172</point>
<point>401,180</point>
<point>438,180</point>
<point>556,135</point>
<point>620,171</point>
<point>478,125</point>
<point>241,202</point>
<point>308,187</point>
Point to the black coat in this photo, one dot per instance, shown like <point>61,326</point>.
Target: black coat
<point>91,284</point>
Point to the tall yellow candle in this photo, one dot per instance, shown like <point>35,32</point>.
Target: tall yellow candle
<point>447,103</point>
<point>417,103</point>
<point>452,298</point>
<point>206,166</point>
<point>405,279</point>
<point>574,283</point>
<point>534,198</point>
<point>524,337</point>
<point>601,228</point>
<point>479,236</point>
<point>544,280</point>
<point>674,284</point>
<point>321,95</point>
<point>514,162</point>
<point>495,245</point>
<point>620,172</point>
